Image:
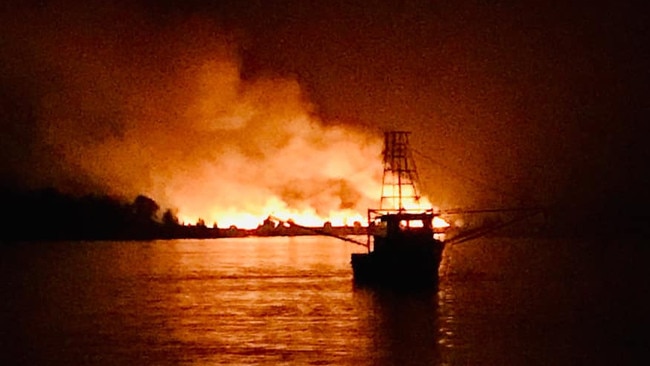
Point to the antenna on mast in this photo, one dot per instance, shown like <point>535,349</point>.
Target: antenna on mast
<point>398,191</point>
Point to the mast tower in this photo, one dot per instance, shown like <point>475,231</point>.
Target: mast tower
<point>399,191</point>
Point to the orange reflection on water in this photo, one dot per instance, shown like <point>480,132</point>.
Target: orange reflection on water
<point>265,300</point>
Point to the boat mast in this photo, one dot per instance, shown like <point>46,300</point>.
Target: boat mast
<point>398,191</point>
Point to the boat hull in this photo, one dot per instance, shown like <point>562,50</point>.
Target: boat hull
<point>399,266</point>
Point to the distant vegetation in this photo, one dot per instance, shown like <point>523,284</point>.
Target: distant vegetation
<point>51,215</point>
<point>48,214</point>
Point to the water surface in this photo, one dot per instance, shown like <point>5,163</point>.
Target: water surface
<point>274,301</point>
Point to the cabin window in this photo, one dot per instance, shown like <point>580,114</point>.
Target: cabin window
<point>411,224</point>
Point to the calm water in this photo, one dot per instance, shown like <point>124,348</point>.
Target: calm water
<point>291,301</point>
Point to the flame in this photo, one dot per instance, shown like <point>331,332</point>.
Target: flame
<point>309,218</point>
<point>440,223</point>
<point>278,209</point>
<point>176,121</point>
<point>243,220</point>
<point>309,182</point>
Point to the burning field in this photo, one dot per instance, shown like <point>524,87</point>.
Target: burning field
<point>130,106</point>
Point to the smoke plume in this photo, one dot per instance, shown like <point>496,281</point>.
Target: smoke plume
<point>125,104</point>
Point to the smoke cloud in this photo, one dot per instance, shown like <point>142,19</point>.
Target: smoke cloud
<point>126,104</point>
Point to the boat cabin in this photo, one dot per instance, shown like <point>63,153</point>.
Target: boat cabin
<point>401,228</point>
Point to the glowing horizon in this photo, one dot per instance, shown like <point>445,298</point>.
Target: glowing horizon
<point>278,210</point>
<point>189,130</point>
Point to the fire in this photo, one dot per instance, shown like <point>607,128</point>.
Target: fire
<point>338,180</point>
<point>186,129</point>
<point>440,223</point>
<point>308,218</point>
<point>277,209</point>
<point>305,218</point>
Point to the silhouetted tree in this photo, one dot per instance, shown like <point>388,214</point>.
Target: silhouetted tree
<point>145,208</point>
<point>169,218</point>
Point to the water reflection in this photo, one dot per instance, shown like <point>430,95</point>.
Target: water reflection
<point>403,326</point>
<point>292,301</point>
<point>259,301</point>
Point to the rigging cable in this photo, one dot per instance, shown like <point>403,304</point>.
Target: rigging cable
<point>472,180</point>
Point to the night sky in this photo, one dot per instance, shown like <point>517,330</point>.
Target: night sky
<point>509,102</point>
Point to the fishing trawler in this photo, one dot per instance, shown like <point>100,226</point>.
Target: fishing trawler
<point>404,237</point>
<point>403,249</point>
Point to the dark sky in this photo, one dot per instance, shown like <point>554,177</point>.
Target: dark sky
<point>547,102</point>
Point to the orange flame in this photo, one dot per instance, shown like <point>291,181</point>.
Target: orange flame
<point>176,122</point>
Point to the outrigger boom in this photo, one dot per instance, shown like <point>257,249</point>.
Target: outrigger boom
<point>319,231</point>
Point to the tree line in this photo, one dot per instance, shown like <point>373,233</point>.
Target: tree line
<point>48,214</point>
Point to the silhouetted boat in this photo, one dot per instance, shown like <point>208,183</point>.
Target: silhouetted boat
<point>402,249</point>
<point>404,253</point>
<point>403,245</point>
